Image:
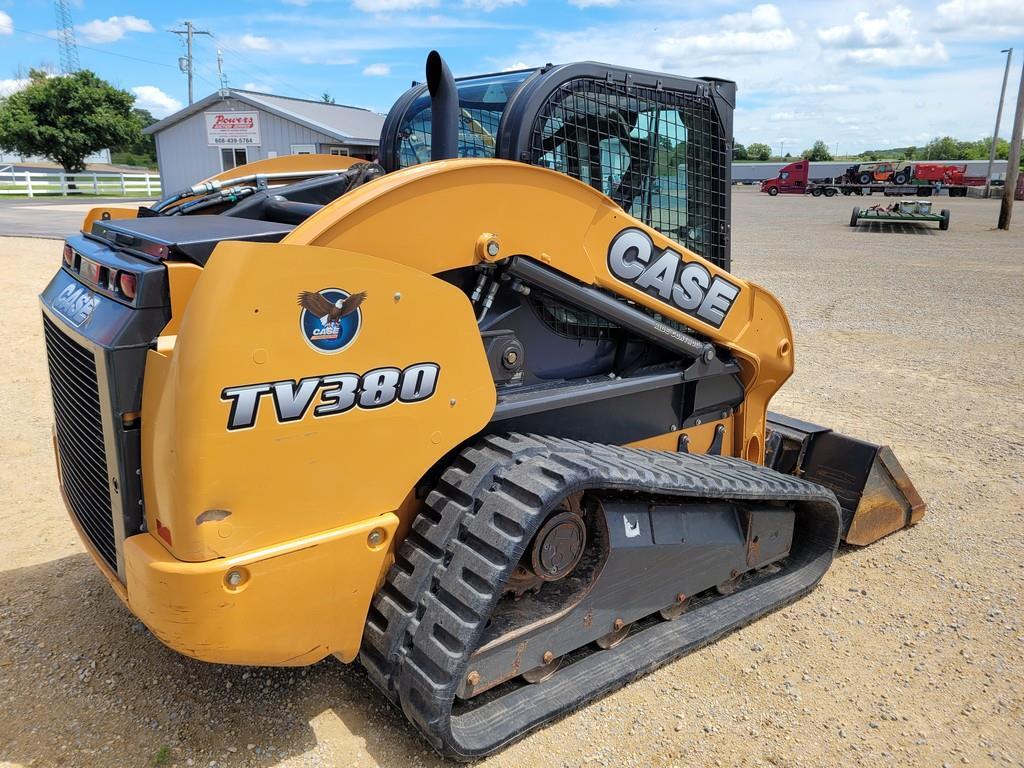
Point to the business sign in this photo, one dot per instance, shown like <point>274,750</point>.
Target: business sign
<point>232,129</point>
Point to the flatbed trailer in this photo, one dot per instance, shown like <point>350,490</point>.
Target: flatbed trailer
<point>831,189</point>
<point>877,213</point>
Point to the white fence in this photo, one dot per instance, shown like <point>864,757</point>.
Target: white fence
<point>37,184</point>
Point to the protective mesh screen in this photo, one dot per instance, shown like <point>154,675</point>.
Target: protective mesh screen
<point>568,320</point>
<point>660,155</point>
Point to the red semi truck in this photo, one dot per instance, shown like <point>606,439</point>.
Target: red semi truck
<point>792,180</point>
<point>925,179</point>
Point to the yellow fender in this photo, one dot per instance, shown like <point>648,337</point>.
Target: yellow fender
<point>437,216</point>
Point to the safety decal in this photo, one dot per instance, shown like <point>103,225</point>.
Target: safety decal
<point>334,393</point>
<point>665,275</point>
<point>330,318</point>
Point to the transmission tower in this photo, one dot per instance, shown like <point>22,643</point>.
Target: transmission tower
<point>66,38</point>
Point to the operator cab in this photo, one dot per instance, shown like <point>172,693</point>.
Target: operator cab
<point>658,145</point>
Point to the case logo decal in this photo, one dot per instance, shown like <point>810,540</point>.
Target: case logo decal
<point>330,318</point>
<point>667,276</point>
<point>336,393</point>
<point>76,303</point>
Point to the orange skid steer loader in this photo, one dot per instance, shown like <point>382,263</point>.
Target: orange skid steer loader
<point>490,417</point>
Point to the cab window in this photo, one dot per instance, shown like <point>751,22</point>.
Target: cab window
<point>482,101</point>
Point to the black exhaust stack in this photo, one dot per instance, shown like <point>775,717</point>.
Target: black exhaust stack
<point>444,109</point>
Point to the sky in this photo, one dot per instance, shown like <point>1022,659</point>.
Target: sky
<point>859,75</point>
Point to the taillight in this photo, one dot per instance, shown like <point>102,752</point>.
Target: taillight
<point>90,270</point>
<point>69,255</point>
<point>128,283</point>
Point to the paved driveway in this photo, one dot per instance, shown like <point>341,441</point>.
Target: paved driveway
<point>39,217</point>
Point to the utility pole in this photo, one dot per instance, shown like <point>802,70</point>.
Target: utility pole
<point>782,149</point>
<point>221,77</point>
<point>189,32</point>
<point>999,116</point>
<point>1013,163</point>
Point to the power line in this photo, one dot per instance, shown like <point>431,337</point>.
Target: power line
<point>257,71</point>
<point>99,50</point>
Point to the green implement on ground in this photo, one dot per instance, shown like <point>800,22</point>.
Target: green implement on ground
<point>904,211</point>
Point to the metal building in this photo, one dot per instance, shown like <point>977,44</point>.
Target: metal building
<point>232,127</point>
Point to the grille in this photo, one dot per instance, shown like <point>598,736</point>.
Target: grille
<point>572,322</point>
<point>575,323</point>
<point>661,155</point>
<point>76,406</point>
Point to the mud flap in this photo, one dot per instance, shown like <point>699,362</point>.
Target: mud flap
<point>875,493</point>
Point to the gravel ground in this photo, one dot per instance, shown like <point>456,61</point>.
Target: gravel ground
<point>910,652</point>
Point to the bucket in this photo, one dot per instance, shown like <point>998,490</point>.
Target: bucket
<point>908,206</point>
<point>924,206</point>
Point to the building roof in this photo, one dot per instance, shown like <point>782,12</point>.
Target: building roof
<point>349,125</point>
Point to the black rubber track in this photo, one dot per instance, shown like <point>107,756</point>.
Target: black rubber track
<point>449,573</point>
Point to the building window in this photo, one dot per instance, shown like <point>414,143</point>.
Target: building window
<point>232,157</point>
<point>342,151</point>
<point>303,149</point>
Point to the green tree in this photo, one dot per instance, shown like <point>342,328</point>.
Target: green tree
<point>759,151</point>
<point>909,152</point>
<point>66,118</point>
<point>326,98</point>
<point>739,152</point>
<point>141,150</point>
<point>818,152</point>
<point>944,148</point>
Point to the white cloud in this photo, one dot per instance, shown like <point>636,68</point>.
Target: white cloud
<point>909,56</point>
<point>377,70</point>
<point>819,88</point>
<point>591,3</point>
<point>113,29</point>
<point>515,66</point>
<point>867,32</point>
<point>788,117</point>
<point>156,101</point>
<point>762,17</point>
<point>255,42</point>
<point>490,5</point>
<point>887,41</point>
<point>1004,17</point>
<point>384,6</point>
<point>10,85</point>
<point>299,3</point>
<point>261,87</point>
<point>719,45</point>
<point>6,24</point>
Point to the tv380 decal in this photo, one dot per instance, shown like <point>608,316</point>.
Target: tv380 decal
<point>338,393</point>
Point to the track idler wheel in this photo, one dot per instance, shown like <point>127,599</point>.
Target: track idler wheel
<point>558,546</point>
<point>677,609</point>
